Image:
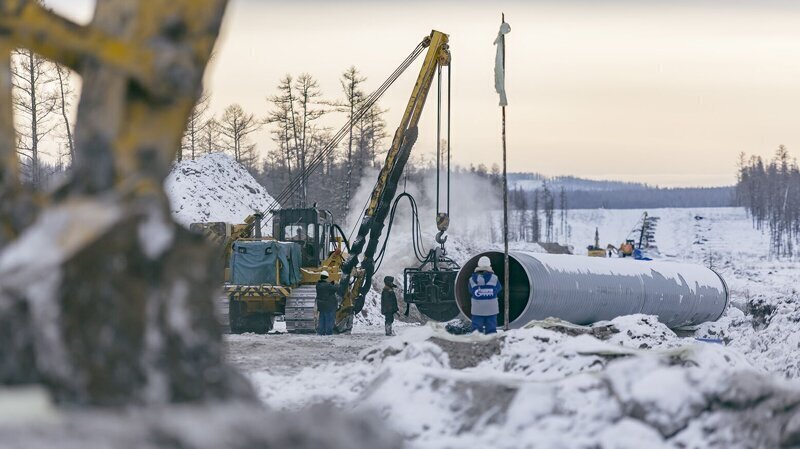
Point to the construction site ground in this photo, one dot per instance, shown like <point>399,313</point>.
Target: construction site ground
<point>540,384</point>
<point>282,353</point>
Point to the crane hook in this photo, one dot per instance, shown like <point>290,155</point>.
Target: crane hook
<point>442,223</point>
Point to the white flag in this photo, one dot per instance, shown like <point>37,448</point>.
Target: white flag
<point>499,72</point>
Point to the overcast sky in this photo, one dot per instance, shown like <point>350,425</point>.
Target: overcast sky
<point>664,92</point>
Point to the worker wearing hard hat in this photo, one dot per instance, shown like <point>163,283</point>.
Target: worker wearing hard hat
<point>326,304</point>
<point>388,303</point>
<point>485,290</point>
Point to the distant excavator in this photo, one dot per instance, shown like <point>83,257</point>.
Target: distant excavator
<point>595,250</point>
<point>267,276</point>
<point>642,245</point>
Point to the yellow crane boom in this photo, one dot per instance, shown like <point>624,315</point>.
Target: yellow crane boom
<point>371,227</point>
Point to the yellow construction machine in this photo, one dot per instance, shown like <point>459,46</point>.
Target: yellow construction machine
<point>267,276</point>
<point>276,275</point>
<point>595,250</point>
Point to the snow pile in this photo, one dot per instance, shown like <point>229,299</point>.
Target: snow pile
<point>532,387</point>
<point>656,396</point>
<point>370,315</point>
<point>214,188</point>
<point>771,341</point>
<point>198,426</point>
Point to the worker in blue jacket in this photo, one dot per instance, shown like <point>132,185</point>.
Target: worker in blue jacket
<point>485,290</point>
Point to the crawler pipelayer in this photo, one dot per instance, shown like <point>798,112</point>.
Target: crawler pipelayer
<point>275,275</point>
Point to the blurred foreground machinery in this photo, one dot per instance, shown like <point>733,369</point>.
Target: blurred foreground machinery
<point>125,294</point>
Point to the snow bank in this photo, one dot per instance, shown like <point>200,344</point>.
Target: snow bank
<point>541,389</point>
<point>370,315</point>
<point>214,188</point>
<point>199,426</point>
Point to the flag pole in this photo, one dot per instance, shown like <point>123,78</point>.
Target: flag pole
<point>506,295</point>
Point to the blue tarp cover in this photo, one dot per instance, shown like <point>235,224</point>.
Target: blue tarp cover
<point>256,262</point>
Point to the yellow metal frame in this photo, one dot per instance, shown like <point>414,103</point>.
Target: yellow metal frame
<point>438,55</point>
<point>260,298</point>
<point>346,308</point>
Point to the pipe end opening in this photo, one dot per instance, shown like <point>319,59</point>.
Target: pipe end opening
<point>519,285</point>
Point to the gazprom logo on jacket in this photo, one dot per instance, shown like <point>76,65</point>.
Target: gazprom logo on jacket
<point>484,292</point>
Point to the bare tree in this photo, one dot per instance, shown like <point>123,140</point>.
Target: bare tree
<point>536,224</point>
<point>549,208</point>
<point>34,101</point>
<point>307,96</point>
<point>351,86</point>
<point>372,132</point>
<point>295,128</point>
<point>235,126</point>
<point>194,128</point>
<point>210,137</point>
<point>563,212</point>
<point>65,95</point>
<point>282,116</point>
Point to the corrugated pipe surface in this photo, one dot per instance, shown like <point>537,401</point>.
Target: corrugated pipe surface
<point>584,290</point>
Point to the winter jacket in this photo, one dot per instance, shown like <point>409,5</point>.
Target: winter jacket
<point>388,301</point>
<point>326,297</point>
<point>484,288</point>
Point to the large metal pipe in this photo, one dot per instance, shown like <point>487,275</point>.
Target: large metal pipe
<point>584,290</point>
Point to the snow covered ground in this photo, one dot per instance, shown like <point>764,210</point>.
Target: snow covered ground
<point>763,322</point>
<point>630,383</point>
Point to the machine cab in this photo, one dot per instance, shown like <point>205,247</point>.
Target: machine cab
<point>312,228</point>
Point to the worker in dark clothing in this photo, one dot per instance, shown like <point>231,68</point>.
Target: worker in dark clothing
<point>388,303</point>
<point>485,290</point>
<point>326,304</point>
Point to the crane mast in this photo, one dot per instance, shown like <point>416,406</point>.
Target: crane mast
<point>373,222</point>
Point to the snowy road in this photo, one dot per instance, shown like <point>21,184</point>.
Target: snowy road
<point>281,353</point>
<point>285,354</point>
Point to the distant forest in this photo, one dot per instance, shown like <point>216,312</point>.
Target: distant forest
<point>642,197</point>
<point>593,194</point>
<point>528,180</point>
<point>651,197</point>
<point>770,191</point>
